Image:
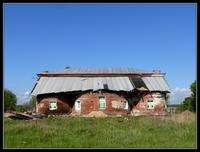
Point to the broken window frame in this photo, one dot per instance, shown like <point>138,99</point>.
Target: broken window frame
<point>126,105</point>
<point>50,104</point>
<point>150,104</point>
<point>77,105</point>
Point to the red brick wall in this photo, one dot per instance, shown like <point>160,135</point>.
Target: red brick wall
<point>63,105</point>
<point>140,108</point>
<point>89,103</point>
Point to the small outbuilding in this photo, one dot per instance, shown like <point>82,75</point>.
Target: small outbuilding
<point>114,91</point>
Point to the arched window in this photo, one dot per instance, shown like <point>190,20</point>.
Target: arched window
<point>126,105</point>
<point>77,105</point>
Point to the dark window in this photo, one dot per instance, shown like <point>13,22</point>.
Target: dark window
<point>105,86</point>
<point>138,82</point>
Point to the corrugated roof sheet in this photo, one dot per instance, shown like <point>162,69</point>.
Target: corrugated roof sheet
<point>156,83</point>
<point>100,71</point>
<point>67,84</point>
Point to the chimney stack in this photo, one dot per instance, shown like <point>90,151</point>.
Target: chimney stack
<point>67,67</point>
<point>44,72</point>
<point>156,71</point>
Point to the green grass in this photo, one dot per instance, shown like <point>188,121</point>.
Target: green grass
<point>110,132</point>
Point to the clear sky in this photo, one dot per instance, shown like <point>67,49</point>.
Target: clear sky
<point>40,37</point>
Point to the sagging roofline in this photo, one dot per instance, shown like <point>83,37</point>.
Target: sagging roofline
<point>98,75</point>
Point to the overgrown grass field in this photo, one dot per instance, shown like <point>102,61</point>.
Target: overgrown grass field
<point>109,132</point>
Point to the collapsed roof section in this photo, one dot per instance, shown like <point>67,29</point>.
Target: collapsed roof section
<point>68,84</point>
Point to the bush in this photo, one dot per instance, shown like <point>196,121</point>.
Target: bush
<point>20,108</point>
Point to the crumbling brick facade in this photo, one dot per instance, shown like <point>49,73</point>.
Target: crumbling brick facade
<point>158,105</point>
<point>115,103</point>
<point>43,105</point>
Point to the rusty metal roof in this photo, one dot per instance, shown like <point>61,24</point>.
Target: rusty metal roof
<point>68,84</point>
<point>156,83</point>
<point>75,70</point>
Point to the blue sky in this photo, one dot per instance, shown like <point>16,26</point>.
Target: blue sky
<point>40,37</point>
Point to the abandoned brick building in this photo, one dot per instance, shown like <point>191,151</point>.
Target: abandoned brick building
<point>124,91</point>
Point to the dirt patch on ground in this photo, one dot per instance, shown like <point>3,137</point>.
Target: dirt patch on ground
<point>96,114</point>
<point>185,116</point>
<point>74,114</point>
<point>7,114</point>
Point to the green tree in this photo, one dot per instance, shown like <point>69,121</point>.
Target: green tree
<point>185,104</point>
<point>190,102</point>
<point>33,101</point>
<point>10,100</point>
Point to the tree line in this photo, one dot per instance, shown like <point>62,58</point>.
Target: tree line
<point>10,103</point>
